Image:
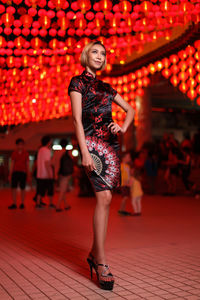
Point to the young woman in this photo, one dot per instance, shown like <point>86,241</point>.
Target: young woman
<point>96,133</point>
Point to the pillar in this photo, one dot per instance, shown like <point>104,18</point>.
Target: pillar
<point>144,127</point>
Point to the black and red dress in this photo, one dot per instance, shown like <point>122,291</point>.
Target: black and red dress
<point>97,97</point>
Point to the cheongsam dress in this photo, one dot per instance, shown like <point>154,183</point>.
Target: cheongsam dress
<point>97,97</point>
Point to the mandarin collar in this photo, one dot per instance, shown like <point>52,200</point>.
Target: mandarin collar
<point>88,76</point>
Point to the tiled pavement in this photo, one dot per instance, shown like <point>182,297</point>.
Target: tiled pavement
<point>155,256</point>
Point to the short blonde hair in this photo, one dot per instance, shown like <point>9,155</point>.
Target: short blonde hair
<point>84,54</point>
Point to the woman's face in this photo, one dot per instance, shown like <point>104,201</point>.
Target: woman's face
<point>96,57</point>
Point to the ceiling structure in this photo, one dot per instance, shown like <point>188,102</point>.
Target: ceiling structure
<point>41,42</point>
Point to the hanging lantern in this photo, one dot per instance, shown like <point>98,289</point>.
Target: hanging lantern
<point>53,44</point>
<point>84,5</point>
<point>146,6</point>
<point>59,3</point>
<point>33,2</point>
<point>174,58</point>
<point>63,23</point>
<point>183,76</point>
<point>36,43</point>
<point>192,94</point>
<point>19,41</point>
<point>174,80</point>
<point>7,19</point>
<point>198,101</point>
<point>174,69</point>
<point>198,78</point>
<point>80,23</point>
<point>2,42</point>
<point>105,6</point>
<point>197,44</point>
<point>165,6</point>
<point>26,20</point>
<point>191,82</point>
<point>125,7</point>
<point>45,22</point>
<point>183,87</point>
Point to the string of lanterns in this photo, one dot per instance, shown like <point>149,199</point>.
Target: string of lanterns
<point>40,93</point>
<point>40,27</point>
<point>41,42</point>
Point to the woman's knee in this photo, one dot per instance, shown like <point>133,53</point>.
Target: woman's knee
<point>104,198</point>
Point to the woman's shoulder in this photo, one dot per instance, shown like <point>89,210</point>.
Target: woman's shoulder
<point>76,78</point>
<point>76,84</point>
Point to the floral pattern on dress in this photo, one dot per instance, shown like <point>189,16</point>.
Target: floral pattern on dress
<point>97,98</point>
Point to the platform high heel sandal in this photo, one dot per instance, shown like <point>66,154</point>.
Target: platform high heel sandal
<point>104,284</point>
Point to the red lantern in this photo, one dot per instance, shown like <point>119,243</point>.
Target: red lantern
<point>2,42</point>
<point>191,82</point>
<point>36,43</point>
<point>166,62</point>
<point>125,6</point>
<point>192,94</point>
<point>84,5</point>
<point>165,6</point>
<point>7,19</point>
<point>174,58</point>
<point>80,23</point>
<point>197,44</point>
<point>53,44</point>
<point>174,69</point>
<point>45,22</point>
<point>26,20</point>
<point>198,101</point>
<point>33,2</point>
<point>140,92</point>
<point>146,7</point>
<point>183,87</point>
<point>59,3</point>
<point>174,80</point>
<point>105,5</point>
<point>182,65</point>
<point>186,6</point>
<point>198,78</point>
<point>183,76</point>
<point>19,42</point>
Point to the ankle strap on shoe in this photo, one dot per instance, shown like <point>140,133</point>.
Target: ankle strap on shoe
<point>102,265</point>
<point>106,269</point>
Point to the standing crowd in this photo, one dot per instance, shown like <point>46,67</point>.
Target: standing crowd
<point>46,169</point>
<point>139,171</point>
<point>168,157</point>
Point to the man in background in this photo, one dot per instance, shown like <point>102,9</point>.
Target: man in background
<point>19,171</point>
<point>45,178</point>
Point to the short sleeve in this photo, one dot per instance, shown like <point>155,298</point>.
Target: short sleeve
<point>113,91</point>
<point>13,156</point>
<point>76,84</point>
<point>27,156</point>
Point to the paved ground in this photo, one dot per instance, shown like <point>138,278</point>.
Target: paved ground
<point>155,256</point>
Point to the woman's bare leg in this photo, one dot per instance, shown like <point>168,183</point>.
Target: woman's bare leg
<point>100,222</point>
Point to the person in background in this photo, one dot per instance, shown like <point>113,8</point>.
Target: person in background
<point>64,171</point>
<point>151,168</point>
<point>172,171</point>
<point>125,182</point>
<point>187,142</point>
<point>186,170</point>
<point>19,172</point>
<point>45,180</point>
<point>136,191</point>
<point>196,148</point>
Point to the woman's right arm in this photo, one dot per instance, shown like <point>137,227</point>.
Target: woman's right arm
<point>76,103</point>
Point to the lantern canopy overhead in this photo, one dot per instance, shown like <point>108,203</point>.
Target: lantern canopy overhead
<point>41,42</point>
